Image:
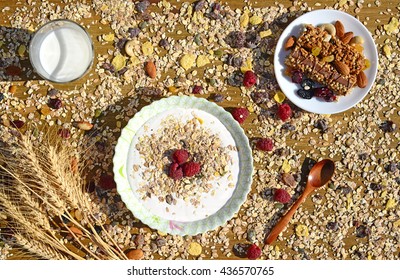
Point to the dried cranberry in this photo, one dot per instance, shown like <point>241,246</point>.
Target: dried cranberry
<point>64,133</point>
<point>133,32</point>
<point>259,97</point>
<point>305,94</point>
<point>163,43</point>
<point>236,39</point>
<point>107,182</point>
<point>334,226</point>
<point>55,103</point>
<point>17,123</point>
<point>240,250</point>
<point>321,125</point>
<point>197,89</point>
<point>307,84</point>
<point>142,6</point>
<point>331,97</point>
<point>297,76</point>
<point>218,97</point>
<point>362,231</point>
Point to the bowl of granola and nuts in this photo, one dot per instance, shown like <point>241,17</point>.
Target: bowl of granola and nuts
<point>183,165</point>
<point>325,61</point>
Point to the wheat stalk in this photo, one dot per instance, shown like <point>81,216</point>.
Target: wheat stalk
<point>40,183</point>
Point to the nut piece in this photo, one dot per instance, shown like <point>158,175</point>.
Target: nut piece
<point>150,69</point>
<point>290,42</point>
<point>362,80</point>
<point>84,125</point>
<point>347,37</point>
<point>357,40</point>
<point>130,47</point>
<point>135,254</point>
<point>341,68</point>
<point>330,28</point>
<point>339,29</point>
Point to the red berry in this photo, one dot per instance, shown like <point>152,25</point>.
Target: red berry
<point>107,182</point>
<point>249,79</point>
<point>191,168</point>
<point>284,112</point>
<point>197,89</point>
<point>254,252</point>
<point>240,114</point>
<point>281,196</point>
<point>297,76</point>
<point>13,70</point>
<point>180,156</point>
<point>265,144</point>
<point>175,171</point>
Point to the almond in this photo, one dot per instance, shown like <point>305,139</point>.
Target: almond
<point>84,125</point>
<point>75,230</point>
<point>150,69</point>
<point>362,80</point>
<point>135,254</point>
<point>341,68</point>
<point>346,38</point>
<point>290,42</point>
<point>339,29</point>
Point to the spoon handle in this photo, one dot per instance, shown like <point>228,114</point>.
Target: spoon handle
<point>281,225</point>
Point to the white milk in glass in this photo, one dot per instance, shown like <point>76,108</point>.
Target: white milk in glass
<point>61,51</point>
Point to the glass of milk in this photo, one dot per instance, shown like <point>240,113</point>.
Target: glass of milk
<point>61,51</point>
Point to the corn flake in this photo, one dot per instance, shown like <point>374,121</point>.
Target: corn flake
<point>195,249</point>
<point>21,50</point>
<point>265,33</point>
<point>147,48</point>
<point>387,50</point>
<point>202,60</point>
<point>279,96</point>
<point>134,60</point>
<point>255,20</point>
<point>392,26</point>
<point>247,66</point>
<point>286,166</point>
<point>391,203</point>
<point>118,62</point>
<point>302,230</point>
<point>244,20</point>
<point>109,37</point>
<point>187,61</point>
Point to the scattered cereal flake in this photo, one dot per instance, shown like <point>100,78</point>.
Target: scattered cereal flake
<point>286,166</point>
<point>21,50</point>
<point>265,33</point>
<point>302,230</point>
<point>109,37</point>
<point>160,233</point>
<point>391,203</point>
<point>172,89</point>
<point>396,224</point>
<point>392,26</point>
<point>244,19</point>
<point>387,50</point>
<point>383,194</point>
<point>147,48</point>
<point>118,62</point>
<point>342,3</point>
<point>247,66</point>
<point>187,61</point>
<point>202,60</point>
<point>255,20</point>
<point>279,96</point>
<point>349,201</point>
<point>195,249</point>
<point>134,60</point>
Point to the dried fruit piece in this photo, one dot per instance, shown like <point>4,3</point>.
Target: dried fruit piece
<point>290,42</point>
<point>362,80</point>
<point>150,69</point>
<point>195,249</point>
<point>289,180</point>
<point>282,196</point>
<point>391,26</point>
<point>255,20</point>
<point>279,96</point>
<point>147,48</point>
<point>244,19</point>
<point>187,61</point>
<point>265,33</point>
<point>265,144</point>
<point>286,166</point>
<point>76,231</point>
<point>297,76</point>
<point>339,29</point>
<point>240,114</point>
<point>12,89</point>
<point>284,112</point>
<point>175,171</point>
<point>315,51</point>
<point>328,58</point>
<point>108,37</point>
<point>107,182</point>
<point>341,67</point>
<point>135,254</point>
<point>249,79</point>
<point>191,169</point>
<point>357,40</point>
<point>180,156</point>
<point>387,50</point>
<point>254,252</point>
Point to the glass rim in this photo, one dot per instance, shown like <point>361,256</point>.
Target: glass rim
<point>76,24</point>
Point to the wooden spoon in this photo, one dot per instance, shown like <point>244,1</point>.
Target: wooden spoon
<point>319,175</point>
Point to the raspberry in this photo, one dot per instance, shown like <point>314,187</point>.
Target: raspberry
<point>175,171</point>
<point>281,196</point>
<point>249,79</point>
<point>191,168</point>
<point>284,112</point>
<point>240,114</point>
<point>254,252</point>
<point>265,144</point>
<point>180,156</point>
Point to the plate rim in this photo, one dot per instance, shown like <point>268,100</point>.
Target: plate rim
<point>299,102</point>
<point>227,211</point>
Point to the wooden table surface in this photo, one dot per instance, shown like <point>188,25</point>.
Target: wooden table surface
<point>374,15</point>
